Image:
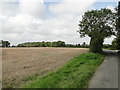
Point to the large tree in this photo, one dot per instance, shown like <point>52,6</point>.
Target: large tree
<point>118,27</point>
<point>97,24</point>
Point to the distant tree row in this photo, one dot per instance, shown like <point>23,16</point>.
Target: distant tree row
<point>84,45</point>
<point>43,44</point>
<point>51,44</point>
<point>56,44</point>
<point>4,43</point>
<point>111,47</point>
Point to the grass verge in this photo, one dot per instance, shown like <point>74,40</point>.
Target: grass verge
<point>75,74</point>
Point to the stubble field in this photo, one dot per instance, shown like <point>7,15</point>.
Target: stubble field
<point>18,64</point>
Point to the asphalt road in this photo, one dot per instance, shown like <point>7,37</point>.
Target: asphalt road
<point>107,74</point>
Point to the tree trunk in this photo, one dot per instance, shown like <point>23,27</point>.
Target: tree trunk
<point>96,44</point>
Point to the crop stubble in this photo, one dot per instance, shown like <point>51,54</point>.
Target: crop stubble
<point>18,63</point>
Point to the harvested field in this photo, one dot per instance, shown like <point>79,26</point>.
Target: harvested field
<point>18,63</point>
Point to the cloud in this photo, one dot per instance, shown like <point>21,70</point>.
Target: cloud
<point>34,8</point>
<point>29,20</point>
<point>111,7</point>
<point>16,24</point>
<point>9,9</point>
<point>71,7</point>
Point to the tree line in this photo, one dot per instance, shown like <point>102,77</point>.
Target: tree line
<point>56,44</point>
<point>43,44</point>
<point>51,44</point>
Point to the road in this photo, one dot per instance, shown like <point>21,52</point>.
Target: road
<point>107,74</point>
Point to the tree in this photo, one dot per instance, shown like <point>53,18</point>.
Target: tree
<point>48,44</point>
<point>84,45</point>
<point>114,44</point>
<point>54,44</point>
<point>4,43</point>
<point>60,44</point>
<point>78,45</point>
<point>97,24</point>
<point>107,46</point>
<point>43,44</point>
<point>118,27</point>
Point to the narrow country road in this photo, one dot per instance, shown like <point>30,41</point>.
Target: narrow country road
<point>107,74</point>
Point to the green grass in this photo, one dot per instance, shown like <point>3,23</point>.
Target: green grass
<point>31,77</point>
<point>110,48</point>
<point>74,74</point>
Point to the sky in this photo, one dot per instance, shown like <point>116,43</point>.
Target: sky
<point>46,20</point>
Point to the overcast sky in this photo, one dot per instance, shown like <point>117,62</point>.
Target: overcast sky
<point>46,20</point>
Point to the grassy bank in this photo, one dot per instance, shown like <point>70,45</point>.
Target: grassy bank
<point>75,74</point>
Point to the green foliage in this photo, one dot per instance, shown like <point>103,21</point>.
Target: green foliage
<point>4,43</point>
<point>111,47</point>
<point>43,44</point>
<point>84,45</point>
<point>52,44</point>
<point>96,43</point>
<point>74,74</point>
<point>118,27</point>
<point>10,86</point>
<point>114,44</point>
<point>100,20</point>
<point>97,24</point>
<point>107,46</point>
<point>31,77</point>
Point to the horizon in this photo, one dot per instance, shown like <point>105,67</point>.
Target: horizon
<point>49,41</point>
<point>47,21</point>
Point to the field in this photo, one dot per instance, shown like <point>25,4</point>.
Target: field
<point>76,73</point>
<point>18,64</point>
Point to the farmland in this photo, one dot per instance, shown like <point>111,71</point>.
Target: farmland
<point>18,64</point>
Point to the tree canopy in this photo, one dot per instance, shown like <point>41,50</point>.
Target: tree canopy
<point>118,26</point>
<point>52,44</point>
<point>97,24</point>
<point>100,21</point>
<point>43,44</point>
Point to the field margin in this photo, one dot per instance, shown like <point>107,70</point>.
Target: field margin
<point>74,74</point>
